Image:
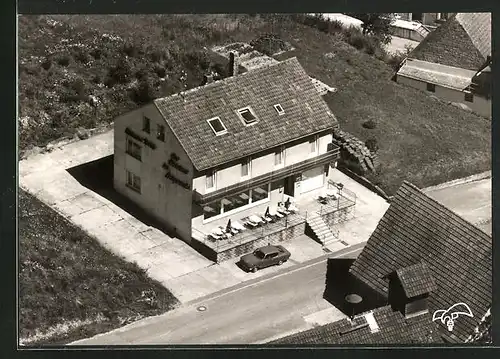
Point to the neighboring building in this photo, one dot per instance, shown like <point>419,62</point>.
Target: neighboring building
<point>454,62</point>
<point>379,326</point>
<point>421,258</point>
<point>428,18</point>
<point>202,156</point>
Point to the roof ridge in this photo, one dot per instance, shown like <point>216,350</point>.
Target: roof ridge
<point>229,79</point>
<point>440,205</point>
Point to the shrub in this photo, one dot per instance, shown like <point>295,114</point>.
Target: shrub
<point>144,92</point>
<point>96,53</point>
<point>130,49</point>
<point>160,71</point>
<point>122,72</point>
<point>46,64</point>
<point>96,79</point>
<point>81,56</point>
<point>141,73</point>
<point>64,60</point>
<point>372,144</point>
<point>156,55</point>
<point>370,124</point>
<point>74,91</point>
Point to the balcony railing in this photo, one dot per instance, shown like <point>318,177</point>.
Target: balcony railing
<point>326,158</point>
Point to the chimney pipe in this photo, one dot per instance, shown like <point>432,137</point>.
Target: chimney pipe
<point>208,79</point>
<point>233,64</point>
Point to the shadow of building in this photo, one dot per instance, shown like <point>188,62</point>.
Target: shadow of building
<point>97,176</point>
<point>340,283</point>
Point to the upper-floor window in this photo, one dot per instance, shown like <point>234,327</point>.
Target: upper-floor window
<point>217,126</point>
<point>210,180</point>
<point>134,181</point>
<point>160,132</point>
<point>133,148</point>
<point>278,157</point>
<point>279,109</point>
<point>313,145</point>
<point>247,116</point>
<point>431,87</point>
<point>245,168</point>
<point>146,124</point>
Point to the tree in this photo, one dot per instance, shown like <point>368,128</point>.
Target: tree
<point>376,24</point>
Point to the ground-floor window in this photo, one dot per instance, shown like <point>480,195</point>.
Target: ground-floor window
<point>431,87</point>
<point>234,202</point>
<point>134,181</point>
<point>469,97</point>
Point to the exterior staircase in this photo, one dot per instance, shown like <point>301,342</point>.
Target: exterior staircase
<point>321,230</point>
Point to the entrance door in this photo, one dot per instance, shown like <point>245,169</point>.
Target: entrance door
<point>416,16</point>
<point>289,187</point>
<point>312,179</point>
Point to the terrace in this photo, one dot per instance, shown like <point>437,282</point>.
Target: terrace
<point>263,224</point>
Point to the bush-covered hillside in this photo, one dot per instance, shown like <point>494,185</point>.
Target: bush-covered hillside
<point>82,71</point>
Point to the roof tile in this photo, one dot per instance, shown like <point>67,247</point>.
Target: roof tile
<point>286,83</point>
<point>457,254</point>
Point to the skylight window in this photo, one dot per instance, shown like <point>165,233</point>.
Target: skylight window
<point>279,109</point>
<point>247,115</point>
<point>217,126</point>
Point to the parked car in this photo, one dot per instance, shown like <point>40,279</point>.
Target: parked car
<point>264,257</point>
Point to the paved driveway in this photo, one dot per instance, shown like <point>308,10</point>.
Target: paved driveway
<point>471,200</point>
<point>46,176</point>
<point>168,260</point>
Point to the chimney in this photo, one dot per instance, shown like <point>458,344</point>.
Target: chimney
<point>233,64</point>
<point>372,322</point>
<point>207,79</point>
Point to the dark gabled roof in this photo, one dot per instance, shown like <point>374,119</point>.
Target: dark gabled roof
<point>416,280</point>
<point>285,83</point>
<point>416,228</point>
<point>394,328</point>
<point>462,41</point>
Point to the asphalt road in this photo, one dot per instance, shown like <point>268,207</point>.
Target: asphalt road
<point>470,200</point>
<point>251,313</point>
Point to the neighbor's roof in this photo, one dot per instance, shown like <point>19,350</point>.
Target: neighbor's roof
<point>393,329</point>
<point>416,280</point>
<point>447,76</point>
<point>285,83</point>
<point>416,228</point>
<point>462,41</point>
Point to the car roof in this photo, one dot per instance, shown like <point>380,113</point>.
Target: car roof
<point>268,249</point>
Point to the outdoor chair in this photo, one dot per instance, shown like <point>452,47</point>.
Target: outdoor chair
<point>283,210</point>
<point>293,208</point>
<point>256,219</point>
<point>219,233</point>
<point>238,226</point>
<point>276,214</point>
<point>249,223</point>
<point>225,232</point>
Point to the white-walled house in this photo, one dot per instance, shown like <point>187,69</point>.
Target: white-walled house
<point>202,156</point>
<point>454,62</point>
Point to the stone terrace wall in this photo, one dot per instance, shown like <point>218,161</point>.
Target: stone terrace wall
<point>274,238</point>
<point>238,250</point>
<point>342,215</point>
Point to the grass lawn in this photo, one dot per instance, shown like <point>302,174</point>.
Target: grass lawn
<point>421,139</point>
<point>72,288</point>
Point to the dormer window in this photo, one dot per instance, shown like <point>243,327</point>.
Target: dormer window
<point>217,126</point>
<point>279,109</point>
<point>247,116</point>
